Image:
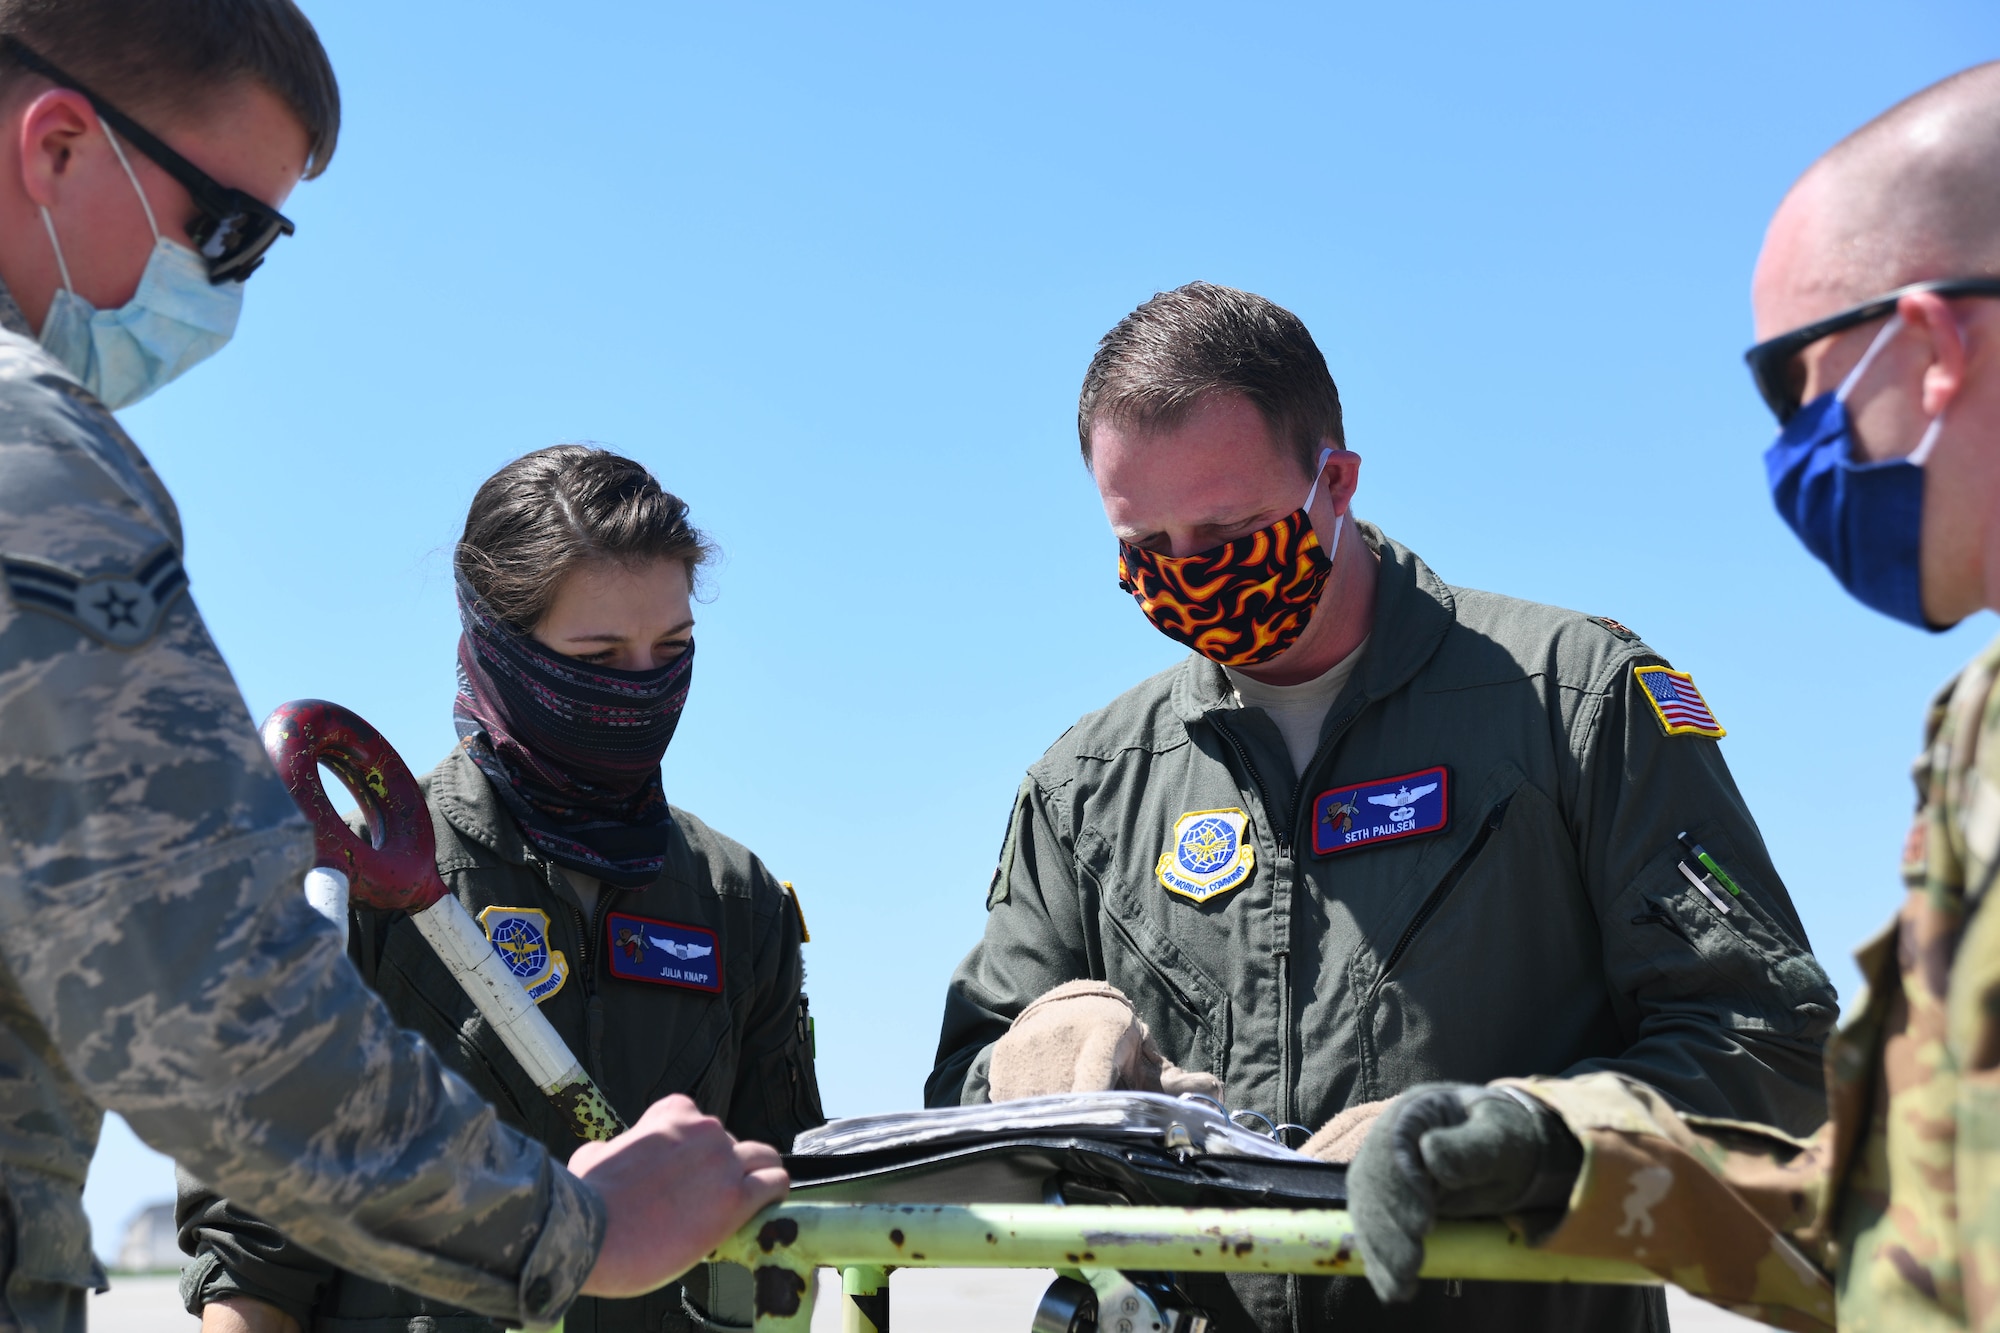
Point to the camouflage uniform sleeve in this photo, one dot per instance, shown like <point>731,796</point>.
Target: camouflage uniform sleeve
<point>1034,921</point>
<point>1713,1206</point>
<point>156,955</point>
<point>1722,1005</point>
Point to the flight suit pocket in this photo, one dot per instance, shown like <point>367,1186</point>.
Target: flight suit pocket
<point>1184,1008</point>
<point>1779,987</point>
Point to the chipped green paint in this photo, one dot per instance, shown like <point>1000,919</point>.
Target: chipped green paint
<point>866,1239</point>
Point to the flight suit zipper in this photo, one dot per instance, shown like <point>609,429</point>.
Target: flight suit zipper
<point>593,1004</point>
<point>1441,892</point>
<point>1284,875</point>
<point>1281,829</point>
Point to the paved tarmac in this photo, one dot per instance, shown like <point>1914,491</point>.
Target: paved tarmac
<point>943,1300</point>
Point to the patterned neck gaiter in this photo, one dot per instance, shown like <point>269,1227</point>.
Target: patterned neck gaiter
<point>572,749</point>
<point>1244,602</point>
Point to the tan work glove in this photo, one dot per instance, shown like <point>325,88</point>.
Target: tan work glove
<point>1340,1138</point>
<point>1084,1036</point>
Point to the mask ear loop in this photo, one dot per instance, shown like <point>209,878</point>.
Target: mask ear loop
<point>1339,519</point>
<point>1889,331</point>
<point>61,266</point>
<point>49,223</point>
<point>132,176</point>
<point>1917,456</point>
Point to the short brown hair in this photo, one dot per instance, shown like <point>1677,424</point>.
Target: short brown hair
<point>544,514</point>
<point>161,56</point>
<point>1195,342</point>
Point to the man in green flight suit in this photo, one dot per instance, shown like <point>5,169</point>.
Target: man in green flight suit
<point>1375,831</point>
<point>1881,359</point>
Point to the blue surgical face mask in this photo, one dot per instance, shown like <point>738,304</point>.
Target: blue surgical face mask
<point>1863,520</point>
<point>176,319</point>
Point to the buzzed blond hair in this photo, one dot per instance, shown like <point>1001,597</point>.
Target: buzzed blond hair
<point>1913,194</point>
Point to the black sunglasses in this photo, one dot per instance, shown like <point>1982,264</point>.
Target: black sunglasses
<point>1774,362</point>
<point>234,230</point>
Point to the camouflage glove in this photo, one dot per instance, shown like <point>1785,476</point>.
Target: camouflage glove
<point>1084,1036</point>
<point>1453,1150</point>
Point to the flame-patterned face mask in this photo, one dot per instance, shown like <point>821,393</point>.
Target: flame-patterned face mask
<point>1243,602</point>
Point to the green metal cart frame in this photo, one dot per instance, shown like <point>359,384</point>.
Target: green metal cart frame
<point>783,1245</point>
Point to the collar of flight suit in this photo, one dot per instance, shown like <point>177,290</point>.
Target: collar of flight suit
<point>465,809</point>
<point>1414,611</point>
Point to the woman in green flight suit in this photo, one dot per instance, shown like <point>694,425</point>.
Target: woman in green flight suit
<point>665,954</point>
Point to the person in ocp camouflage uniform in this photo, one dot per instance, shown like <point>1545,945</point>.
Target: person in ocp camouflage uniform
<point>1875,296</point>
<point>156,955</point>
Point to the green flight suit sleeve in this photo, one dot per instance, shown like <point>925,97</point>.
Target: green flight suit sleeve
<point>777,1088</point>
<point>1726,1011</point>
<point>1037,937</point>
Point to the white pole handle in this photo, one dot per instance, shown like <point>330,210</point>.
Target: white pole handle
<point>519,1022</point>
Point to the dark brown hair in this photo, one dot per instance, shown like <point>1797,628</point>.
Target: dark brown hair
<point>545,513</point>
<point>1194,342</point>
<point>163,56</point>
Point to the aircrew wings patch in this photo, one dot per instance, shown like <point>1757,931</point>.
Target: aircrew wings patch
<point>1676,702</point>
<point>121,608</point>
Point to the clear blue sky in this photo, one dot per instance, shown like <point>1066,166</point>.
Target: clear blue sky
<point>835,272</point>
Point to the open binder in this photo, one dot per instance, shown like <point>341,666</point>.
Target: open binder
<point>1081,1148</point>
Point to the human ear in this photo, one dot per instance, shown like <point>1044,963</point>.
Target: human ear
<point>51,126</point>
<point>1340,478</point>
<point>1931,315</point>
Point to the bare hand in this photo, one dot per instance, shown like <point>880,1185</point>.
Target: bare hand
<point>674,1186</point>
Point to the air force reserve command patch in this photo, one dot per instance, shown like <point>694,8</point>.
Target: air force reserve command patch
<point>520,935</point>
<point>1211,854</point>
<point>1677,703</point>
<point>664,952</point>
<point>121,608</point>
<point>1382,810</point>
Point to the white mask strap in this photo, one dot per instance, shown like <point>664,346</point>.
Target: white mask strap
<point>1929,442</point>
<point>61,267</point>
<point>132,176</point>
<point>1318,472</point>
<point>1889,331</point>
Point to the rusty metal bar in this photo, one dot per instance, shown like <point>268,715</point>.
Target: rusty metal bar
<point>783,1245</point>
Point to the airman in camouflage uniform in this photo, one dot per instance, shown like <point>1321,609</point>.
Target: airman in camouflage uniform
<point>157,957</point>
<point>1888,1218</point>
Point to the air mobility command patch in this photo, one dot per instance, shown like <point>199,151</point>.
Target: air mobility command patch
<point>121,608</point>
<point>1382,810</point>
<point>1211,854</point>
<point>520,935</point>
<point>1677,703</point>
<point>663,952</point>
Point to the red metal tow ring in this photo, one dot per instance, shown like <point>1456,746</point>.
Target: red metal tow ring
<point>396,870</point>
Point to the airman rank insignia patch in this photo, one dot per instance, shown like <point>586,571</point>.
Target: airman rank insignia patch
<point>1382,810</point>
<point>121,609</point>
<point>1677,703</point>
<point>664,952</point>
<point>1211,855</point>
<point>520,935</point>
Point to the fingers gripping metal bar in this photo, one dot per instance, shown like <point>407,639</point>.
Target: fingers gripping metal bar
<point>782,1246</point>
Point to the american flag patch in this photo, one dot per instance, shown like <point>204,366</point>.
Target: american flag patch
<point>1677,703</point>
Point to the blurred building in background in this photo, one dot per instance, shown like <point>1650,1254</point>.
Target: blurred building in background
<point>149,1244</point>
